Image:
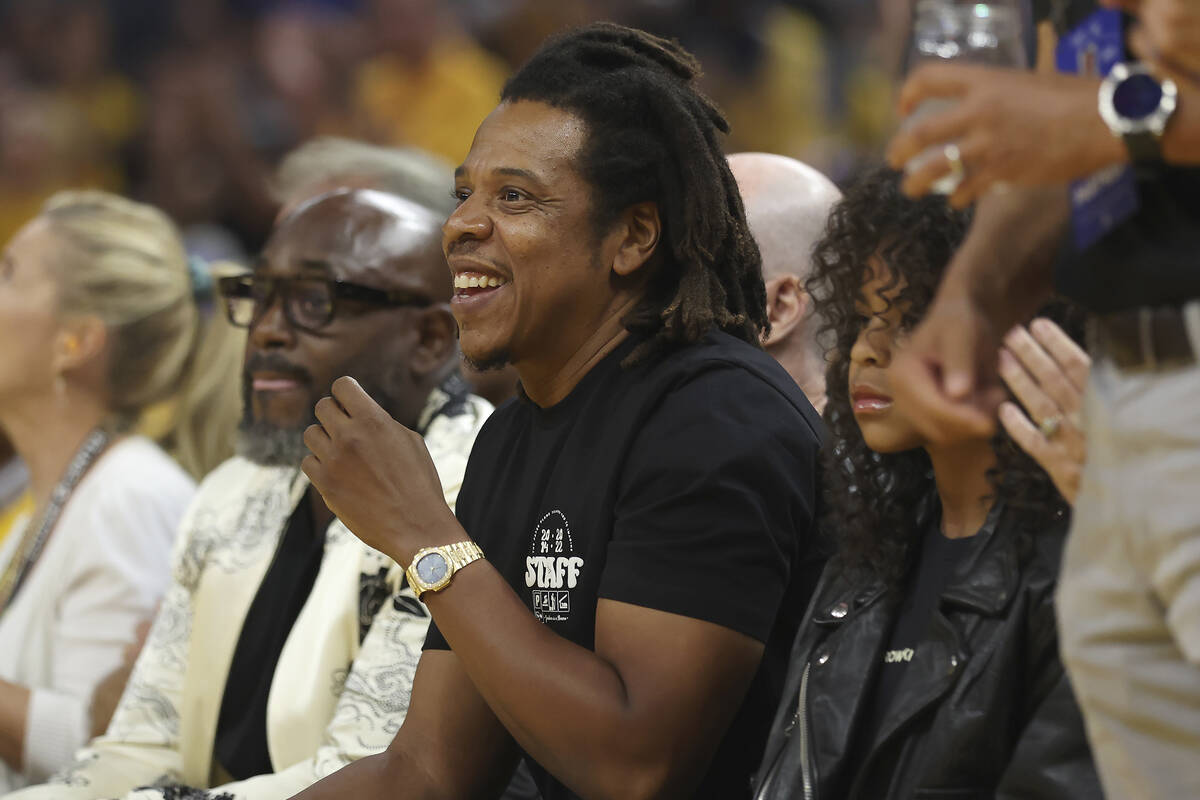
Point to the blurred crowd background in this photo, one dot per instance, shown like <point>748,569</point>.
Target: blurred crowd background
<point>189,104</point>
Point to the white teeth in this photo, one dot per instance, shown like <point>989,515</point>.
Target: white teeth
<point>467,281</point>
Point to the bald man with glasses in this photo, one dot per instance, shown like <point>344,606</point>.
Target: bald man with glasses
<point>285,648</point>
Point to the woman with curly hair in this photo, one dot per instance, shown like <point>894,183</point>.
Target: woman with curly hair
<point>927,664</point>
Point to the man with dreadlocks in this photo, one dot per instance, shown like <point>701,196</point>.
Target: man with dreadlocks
<point>619,591</point>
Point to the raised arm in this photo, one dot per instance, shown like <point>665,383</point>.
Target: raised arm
<point>947,378</point>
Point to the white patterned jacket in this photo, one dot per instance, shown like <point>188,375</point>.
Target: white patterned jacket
<point>341,687</point>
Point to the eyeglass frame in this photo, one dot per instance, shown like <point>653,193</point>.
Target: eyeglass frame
<point>228,285</point>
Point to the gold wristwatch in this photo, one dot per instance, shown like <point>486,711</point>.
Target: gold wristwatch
<point>433,567</point>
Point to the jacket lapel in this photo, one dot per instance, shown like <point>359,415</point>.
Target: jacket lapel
<point>858,625</point>
<point>321,645</point>
<point>927,678</point>
<point>231,578</point>
<point>982,585</point>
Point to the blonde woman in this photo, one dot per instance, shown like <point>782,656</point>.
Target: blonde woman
<point>97,324</point>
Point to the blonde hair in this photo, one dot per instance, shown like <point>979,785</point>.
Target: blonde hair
<point>124,262</point>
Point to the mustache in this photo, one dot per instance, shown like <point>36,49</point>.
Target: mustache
<point>467,247</point>
<point>273,362</point>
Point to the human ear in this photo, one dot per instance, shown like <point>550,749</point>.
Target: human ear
<point>787,306</point>
<point>639,229</point>
<point>437,340</point>
<point>79,341</point>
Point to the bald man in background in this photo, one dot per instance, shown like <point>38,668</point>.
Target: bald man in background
<point>787,204</point>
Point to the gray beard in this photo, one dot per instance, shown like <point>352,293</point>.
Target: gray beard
<point>269,446</point>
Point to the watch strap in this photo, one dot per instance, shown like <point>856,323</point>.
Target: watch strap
<point>1143,147</point>
<point>463,553</point>
<point>457,555</point>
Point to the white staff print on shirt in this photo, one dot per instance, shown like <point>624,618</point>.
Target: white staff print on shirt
<point>552,569</point>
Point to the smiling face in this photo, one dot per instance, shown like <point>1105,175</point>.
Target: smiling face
<point>533,278</point>
<point>287,370</point>
<point>882,334</point>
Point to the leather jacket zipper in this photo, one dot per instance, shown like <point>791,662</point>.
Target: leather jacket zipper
<point>799,719</point>
<point>802,716</point>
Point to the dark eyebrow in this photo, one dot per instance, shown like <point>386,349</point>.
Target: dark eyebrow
<point>515,172</point>
<point>519,173</point>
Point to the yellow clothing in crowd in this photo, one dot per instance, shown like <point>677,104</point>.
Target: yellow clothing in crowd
<point>436,105</point>
<point>15,514</point>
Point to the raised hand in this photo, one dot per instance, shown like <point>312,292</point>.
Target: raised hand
<point>1048,374</point>
<point>376,475</point>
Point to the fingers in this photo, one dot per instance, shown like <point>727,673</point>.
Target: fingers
<point>1027,436</point>
<point>1063,467</point>
<point>1042,387</point>
<point>979,170</point>
<point>934,80</point>
<point>959,366</point>
<point>317,440</point>
<point>311,467</point>
<point>353,398</point>
<point>1039,404</point>
<point>1040,368</point>
<point>920,175</point>
<point>936,129</point>
<point>940,418</point>
<point>1074,361</point>
<point>331,414</point>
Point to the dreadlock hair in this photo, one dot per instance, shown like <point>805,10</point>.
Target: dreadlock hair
<point>652,136</point>
<point>873,501</point>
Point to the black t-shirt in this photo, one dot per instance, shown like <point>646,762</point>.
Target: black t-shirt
<point>686,486</point>
<point>241,740</point>
<point>939,558</point>
<point>1152,258</point>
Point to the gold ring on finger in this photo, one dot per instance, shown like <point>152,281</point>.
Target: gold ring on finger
<point>1050,426</point>
<point>954,158</point>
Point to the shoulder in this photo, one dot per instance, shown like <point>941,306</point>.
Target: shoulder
<point>135,472</point>
<point>840,583</point>
<point>456,433</point>
<point>239,475</point>
<point>1043,547</point>
<point>726,379</point>
<point>497,420</point>
<point>1039,549</point>
<point>127,510</point>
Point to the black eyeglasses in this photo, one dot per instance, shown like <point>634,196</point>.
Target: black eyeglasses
<point>308,303</point>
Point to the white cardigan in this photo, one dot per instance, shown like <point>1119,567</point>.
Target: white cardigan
<point>341,686</point>
<point>103,569</point>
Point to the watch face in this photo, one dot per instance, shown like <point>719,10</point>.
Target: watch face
<point>1137,97</point>
<point>431,568</point>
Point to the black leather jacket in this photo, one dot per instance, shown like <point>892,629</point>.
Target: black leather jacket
<point>984,708</point>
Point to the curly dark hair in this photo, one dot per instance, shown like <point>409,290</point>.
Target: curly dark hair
<point>652,136</point>
<point>873,500</point>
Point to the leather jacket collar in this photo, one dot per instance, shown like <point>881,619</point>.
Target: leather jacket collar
<point>851,620</point>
